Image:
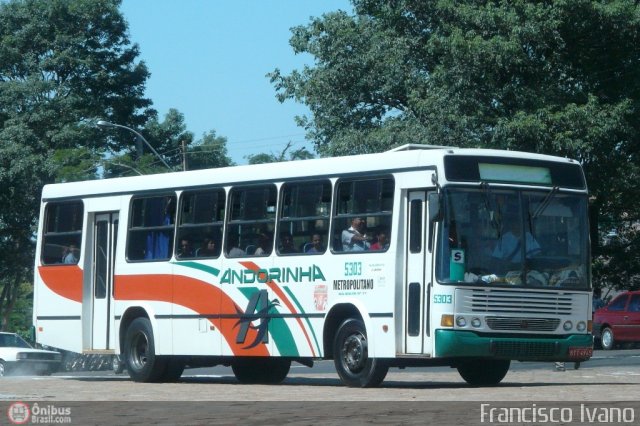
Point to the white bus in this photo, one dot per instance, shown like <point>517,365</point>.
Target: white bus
<point>413,257</point>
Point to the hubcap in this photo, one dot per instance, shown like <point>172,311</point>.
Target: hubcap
<point>139,350</point>
<point>607,338</point>
<point>354,352</point>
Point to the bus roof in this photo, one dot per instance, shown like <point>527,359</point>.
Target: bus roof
<point>411,156</point>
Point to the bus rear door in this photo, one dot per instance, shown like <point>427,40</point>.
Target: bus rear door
<point>97,297</point>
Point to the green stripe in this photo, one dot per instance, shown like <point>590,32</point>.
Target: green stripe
<point>278,329</point>
<point>313,333</point>
<point>200,266</point>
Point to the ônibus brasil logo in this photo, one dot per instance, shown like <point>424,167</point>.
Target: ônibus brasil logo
<point>18,413</point>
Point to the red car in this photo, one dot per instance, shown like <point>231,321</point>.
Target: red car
<point>619,321</point>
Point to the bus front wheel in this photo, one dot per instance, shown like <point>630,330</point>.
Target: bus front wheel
<point>484,372</point>
<point>140,353</point>
<point>351,357</point>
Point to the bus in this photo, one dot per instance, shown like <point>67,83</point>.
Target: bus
<point>419,256</point>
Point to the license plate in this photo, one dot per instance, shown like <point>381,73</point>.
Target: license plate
<point>580,353</point>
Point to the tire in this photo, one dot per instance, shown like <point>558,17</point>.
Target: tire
<point>261,370</point>
<point>140,353</point>
<point>607,341</point>
<point>488,372</point>
<point>3,369</point>
<point>351,357</point>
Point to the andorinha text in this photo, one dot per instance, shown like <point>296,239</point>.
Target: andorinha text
<point>282,275</point>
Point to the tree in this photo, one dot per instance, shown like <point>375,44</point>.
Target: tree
<point>174,143</point>
<point>298,154</point>
<point>62,64</point>
<point>552,77</point>
<point>208,152</point>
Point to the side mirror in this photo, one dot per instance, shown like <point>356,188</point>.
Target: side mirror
<point>435,207</point>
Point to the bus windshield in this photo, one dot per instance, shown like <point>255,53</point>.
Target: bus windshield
<point>513,237</point>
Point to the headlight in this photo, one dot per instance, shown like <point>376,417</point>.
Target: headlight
<point>568,325</point>
<point>476,323</point>
<point>582,326</point>
<point>461,322</point>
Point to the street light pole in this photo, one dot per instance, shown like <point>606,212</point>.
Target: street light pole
<point>106,124</point>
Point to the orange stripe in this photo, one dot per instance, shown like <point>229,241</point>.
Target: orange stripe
<point>64,280</point>
<point>199,296</point>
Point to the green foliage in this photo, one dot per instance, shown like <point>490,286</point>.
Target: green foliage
<point>208,152</point>
<point>298,154</point>
<point>62,63</point>
<point>173,142</point>
<point>551,77</point>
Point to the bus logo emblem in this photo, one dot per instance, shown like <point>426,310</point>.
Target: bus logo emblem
<point>257,309</point>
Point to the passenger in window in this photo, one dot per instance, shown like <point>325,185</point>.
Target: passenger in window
<point>208,248</point>
<point>185,249</point>
<point>354,238</point>
<point>70,255</point>
<point>286,244</point>
<point>316,244</point>
<point>234,250</point>
<point>382,243</point>
<point>264,244</point>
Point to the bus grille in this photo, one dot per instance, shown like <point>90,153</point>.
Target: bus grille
<point>523,350</point>
<point>500,301</point>
<point>522,324</point>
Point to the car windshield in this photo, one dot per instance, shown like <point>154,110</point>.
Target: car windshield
<point>13,341</point>
<point>481,238</point>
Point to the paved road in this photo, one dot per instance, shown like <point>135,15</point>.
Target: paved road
<point>311,394</point>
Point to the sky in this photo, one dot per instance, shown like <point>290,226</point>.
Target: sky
<point>209,59</point>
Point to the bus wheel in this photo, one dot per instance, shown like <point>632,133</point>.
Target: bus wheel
<point>351,357</point>
<point>607,341</point>
<point>140,353</point>
<point>261,370</point>
<point>484,372</point>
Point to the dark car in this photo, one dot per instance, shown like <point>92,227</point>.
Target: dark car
<point>618,321</point>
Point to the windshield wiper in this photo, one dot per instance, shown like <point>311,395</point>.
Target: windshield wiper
<point>487,202</point>
<point>545,202</point>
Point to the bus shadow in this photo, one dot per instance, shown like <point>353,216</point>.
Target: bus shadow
<point>335,382</point>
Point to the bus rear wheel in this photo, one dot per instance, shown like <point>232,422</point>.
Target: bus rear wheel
<point>488,372</point>
<point>268,371</point>
<point>140,353</point>
<point>351,357</point>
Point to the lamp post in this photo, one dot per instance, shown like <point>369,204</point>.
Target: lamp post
<point>106,124</point>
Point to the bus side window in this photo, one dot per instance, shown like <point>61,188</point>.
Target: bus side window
<point>251,222</point>
<point>304,212</point>
<point>200,221</point>
<point>151,228</point>
<point>62,235</point>
<point>363,210</point>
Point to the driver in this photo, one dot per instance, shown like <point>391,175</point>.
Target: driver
<point>509,245</point>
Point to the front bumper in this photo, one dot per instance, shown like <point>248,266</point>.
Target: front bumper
<point>572,347</point>
<point>29,366</point>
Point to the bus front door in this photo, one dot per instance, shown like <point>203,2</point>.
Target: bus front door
<point>416,287</point>
<point>105,229</point>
